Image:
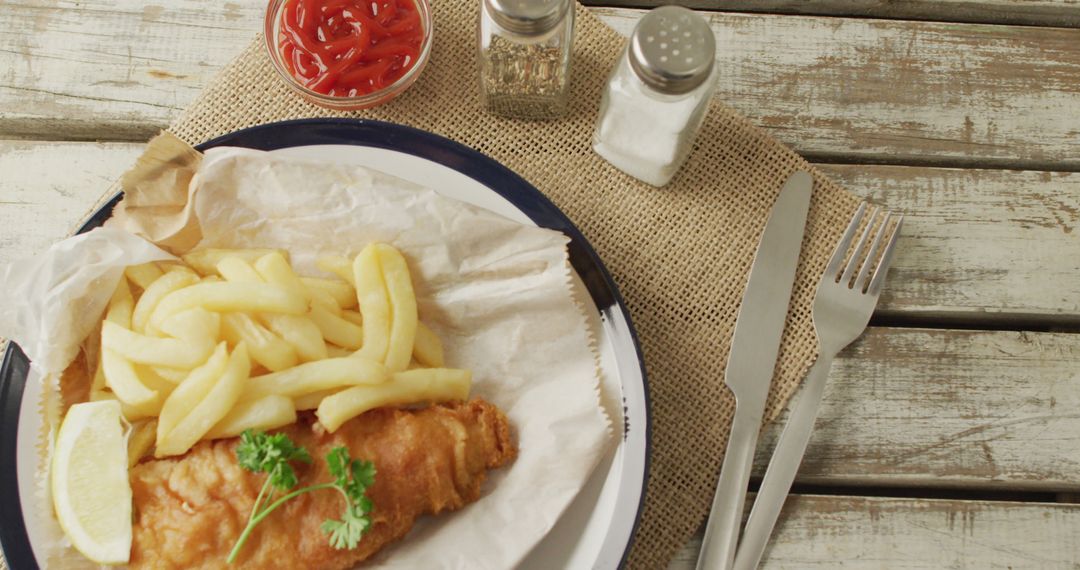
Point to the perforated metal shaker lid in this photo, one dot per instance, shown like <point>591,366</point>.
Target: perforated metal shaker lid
<point>672,49</point>
<point>527,17</point>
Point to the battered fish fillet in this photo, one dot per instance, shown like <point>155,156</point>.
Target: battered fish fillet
<point>190,510</point>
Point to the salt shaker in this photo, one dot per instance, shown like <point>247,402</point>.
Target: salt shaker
<point>525,57</point>
<point>657,96</point>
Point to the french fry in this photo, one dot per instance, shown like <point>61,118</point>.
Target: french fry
<point>205,260</point>
<point>265,413</point>
<point>98,382</point>
<point>338,347</point>
<point>341,291</point>
<point>302,335</point>
<point>353,317</point>
<point>325,300</point>
<point>191,391</point>
<point>229,297</point>
<point>197,330</point>
<point>144,349</point>
<point>194,326</point>
<point>374,304</point>
<point>167,265</point>
<point>428,349</point>
<point>156,382</point>
<point>121,305</point>
<point>130,413</point>
<point>402,307</point>
<point>337,265</point>
<point>149,409</point>
<point>335,351</point>
<point>265,347</point>
<point>140,440</point>
<point>336,329</point>
<point>104,394</point>
<point>300,332</point>
<point>121,378</point>
<point>273,268</point>
<point>153,295</point>
<point>312,400</point>
<point>237,270</point>
<point>143,275</point>
<point>91,349</point>
<point>214,405</point>
<point>315,377</point>
<point>172,375</point>
<point>411,386</point>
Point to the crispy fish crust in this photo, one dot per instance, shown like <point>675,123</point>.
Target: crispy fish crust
<point>190,510</point>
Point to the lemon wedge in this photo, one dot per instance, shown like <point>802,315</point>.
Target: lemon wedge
<point>90,487</point>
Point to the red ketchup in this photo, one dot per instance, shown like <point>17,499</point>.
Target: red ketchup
<point>348,48</point>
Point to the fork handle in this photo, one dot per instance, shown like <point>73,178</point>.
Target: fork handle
<point>722,530</point>
<point>782,467</point>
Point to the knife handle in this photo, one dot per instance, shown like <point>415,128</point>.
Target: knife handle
<point>783,465</point>
<point>722,530</point>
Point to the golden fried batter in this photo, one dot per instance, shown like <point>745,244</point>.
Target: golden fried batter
<point>190,510</point>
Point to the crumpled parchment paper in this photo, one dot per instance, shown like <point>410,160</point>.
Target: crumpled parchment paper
<point>498,293</point>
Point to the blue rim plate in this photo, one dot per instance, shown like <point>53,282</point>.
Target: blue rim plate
<point>616,491</point>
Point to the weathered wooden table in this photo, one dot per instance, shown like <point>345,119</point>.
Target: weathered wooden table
<point>950,434</point>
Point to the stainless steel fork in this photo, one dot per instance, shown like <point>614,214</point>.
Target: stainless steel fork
<point>842,309</point>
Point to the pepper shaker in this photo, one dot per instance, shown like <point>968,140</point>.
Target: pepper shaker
<point>657,95</point>
<point>525,57</point>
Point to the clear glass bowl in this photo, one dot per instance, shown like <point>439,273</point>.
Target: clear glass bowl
<point>271,27</point>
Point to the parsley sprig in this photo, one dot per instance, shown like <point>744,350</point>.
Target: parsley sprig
<point>353,479</point>
<point>262,453</point>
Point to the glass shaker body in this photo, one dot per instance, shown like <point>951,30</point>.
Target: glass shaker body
<point>648,131</point>
<point>525,70</point>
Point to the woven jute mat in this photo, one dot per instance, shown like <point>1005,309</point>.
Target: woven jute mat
<point>680,255</point>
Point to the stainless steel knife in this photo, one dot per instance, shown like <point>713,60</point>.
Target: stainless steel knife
<point>751,362</point>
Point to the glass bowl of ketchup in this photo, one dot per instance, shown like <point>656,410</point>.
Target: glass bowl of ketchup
<point>348,54</point>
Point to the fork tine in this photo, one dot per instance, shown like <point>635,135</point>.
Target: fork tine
<point>833,268</point>
<point>861,282</point>
<point>886,259</point>
<point>856,254</point>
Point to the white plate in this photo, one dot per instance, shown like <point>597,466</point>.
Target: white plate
<point>596,530</point>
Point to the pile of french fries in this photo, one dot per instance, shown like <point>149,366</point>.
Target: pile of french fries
<point>231,340</point>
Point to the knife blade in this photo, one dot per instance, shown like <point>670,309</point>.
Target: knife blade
<point>754,348</point>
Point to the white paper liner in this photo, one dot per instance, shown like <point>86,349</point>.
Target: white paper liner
<point>61,296</point>
<point>497,292</point>
<point>56,298</point>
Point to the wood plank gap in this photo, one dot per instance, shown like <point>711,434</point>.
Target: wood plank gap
<point>1014,322</point>
<point>994,13</point>
<point>981,249</point>
<point>820,531</point>
<point>948,493</point>
<point>75,131</point>
<point>827,86</point>
<point>89,131</point>
<point>961,163</point>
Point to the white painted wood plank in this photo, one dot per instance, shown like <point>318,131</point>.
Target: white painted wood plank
<point>881,90</point>
<point>112,69</point>
<point>916,534</point>
<point>904,407</point>
<point>1057,13</point>
<point>948,409</point>
<point>45,188</point>
<point>977,244</point>
<point>894,91</point>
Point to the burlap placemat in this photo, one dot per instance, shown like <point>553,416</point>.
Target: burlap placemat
<point>680,255</point>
